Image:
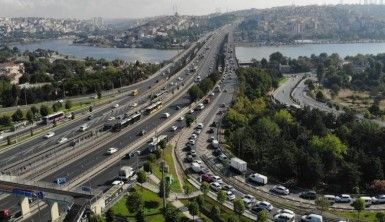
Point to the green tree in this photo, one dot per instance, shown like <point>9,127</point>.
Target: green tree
<point>187,188</point>
<point>68,104</point>
<point>189,119</point>
<point>320,96</point>
<point>262,216</point>
<point>205,188</point>
<point>167,188</point>
<point>329,143</point>
<point>322,204</point>
<point>358,205</point>
<point>134,202</point>
<point>215,212</point>
<point>139,217</point>
<point>96,218</point>
<point>380,216</point>
<point>195,93</point>
<point>6,120</point>
<point>171,214</point>
<point>239,207</point>
<point>193,208</point>
<point>142,176</point>
<point>44,110</point>
<point>110,216</point>
<point>232,219</point>
<point>34,110</point>
<point>17,115</point>
<point>30,116</point>
<point>221,197</point>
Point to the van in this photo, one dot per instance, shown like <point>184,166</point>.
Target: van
<point>166,115</point>
<point>258,178</point>
<point>367,200</point>
<point>330,198</point>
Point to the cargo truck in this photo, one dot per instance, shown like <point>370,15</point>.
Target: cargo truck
<point>258,178</point>
<point>238,165</point>
<point>125,173</point>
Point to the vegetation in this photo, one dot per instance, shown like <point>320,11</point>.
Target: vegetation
<point>197,92</point>
<point>317,150</point>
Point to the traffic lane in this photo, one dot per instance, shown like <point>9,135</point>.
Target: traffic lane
<point>11,202</point>
<point>90,160</point>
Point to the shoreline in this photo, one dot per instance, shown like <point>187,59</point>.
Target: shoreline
<point>315,42</point>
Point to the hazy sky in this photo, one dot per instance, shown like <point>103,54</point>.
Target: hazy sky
<point>136,8</point>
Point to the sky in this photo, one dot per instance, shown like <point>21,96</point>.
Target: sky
<point>138,8</point>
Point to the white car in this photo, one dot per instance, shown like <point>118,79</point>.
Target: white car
<point>191,111</point>
<point>118,182</point>
<point>248,200</point>
<point>343,198</point>
<point>111,118</point>
<point>230,195</point>
<point>379,199</point>
<point>134,105</point>
<point>284,217</point>
<point>200,126</point>
<point>49,135</point>
<point>215,186</point>
<point>198,162</point>
<point>174,128</point>
<point>264,205</point>
<point>181,118</point>
<point>311,218</point>
<point>112,150</point>
<point>217,179</point>
<point>115,106</point>
<point>166,115</point>
<point>194,136</point>
<point>280,190</point>
<point>191,142</point>
<point>198,131</point>
<point>285,211</point>
<point>62,140</point>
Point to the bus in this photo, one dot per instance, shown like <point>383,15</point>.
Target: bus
<point>159,94</point>
<point>53,117</point>
<point>126,121</point>
<point>153,107</point>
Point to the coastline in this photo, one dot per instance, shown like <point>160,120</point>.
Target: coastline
<point>313,42</point>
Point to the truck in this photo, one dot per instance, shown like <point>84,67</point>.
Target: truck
<point>134,92</point>
<point>125,172</point>
<point>196,167</point>
<point>258,178</point>
<point>215,144</point>
<point>152,146</point>
<point>238,165</point>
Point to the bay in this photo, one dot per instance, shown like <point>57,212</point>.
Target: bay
<point>65,47</point>
<point>245,54</point>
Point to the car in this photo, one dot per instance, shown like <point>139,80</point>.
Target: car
<point>193,136</point>
<point>134,105</point>
<point>284,217</point>
<point>311,218</point>
<point>142,132</point>
<point>115,106</point>
<point>230,195</point>
<point>212,138</point>
<point>211,130</point>
<point>215,186</point>
<point>174,128</point>
<point>310,194</point>
<point>197,161</point>
<point>112,150</point>
<point>280,190</point>
<point>189,158</point>
<point>330,198</point>
<point>89,117</point>
<point>177,107</point>
<point>223,158</point>
<point>200,126</point>
<point>379,199</point>
<point>212,94</point>
<point>60,180</point>
<point>286,211</point>
<point>227,187</point>
<point>223,105</point>
<point>191,111</point>
<point>264,205</point>
<point>344,198</point>
<point>217,152</point>
<point>62,140</point>
<point>111,118</point>
<point>192,153</point>
<point>191,142</point>
<point>181,118</point>
<point>5,213</point>
<point>166,115</point>
<point>217,179</point>
<point>49,135</point>
<point>197,132</point>
<point>207,177</point>
<point>118,182</point>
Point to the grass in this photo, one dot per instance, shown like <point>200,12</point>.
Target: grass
<point>352,215</point>
<point>282,80</point>
<point>151,212</point>
<point>226,213</point>
<point>175,186</point>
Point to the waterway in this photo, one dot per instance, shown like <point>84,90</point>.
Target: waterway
<point>245,54</point>
<point>79,51</point>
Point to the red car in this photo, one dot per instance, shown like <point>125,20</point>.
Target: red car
<point>207,178</point>
<point>5,213</point>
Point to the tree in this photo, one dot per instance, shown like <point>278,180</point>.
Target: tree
<point>322,204</point>
<point>239,207</point>
<point>329,143</point>
<point>320,96</point>
<point>189,119</point>
<point>167,188</point>
<point>139,217</point>
<point>215,212</point>
<point>221,197</point>
<point>358,205</point>
<point>193,208</point>
<point>34,110</point>
<point>262,216</point>
<point>17,116</point>
<point>170,213</point>
<point>68,104</point>
<point>110,215</point>
<point>142,176</point>
<point>205,188</point>
<point>162,144</point>
<point>377,187</point>
<point>44,110</point>
<point>96,218</point>
<point>134,202</point>
<point>6,120</point>
<point>30,116</point>
<point>380,217</point>
<point>195,93</point>
<point>187,188</point>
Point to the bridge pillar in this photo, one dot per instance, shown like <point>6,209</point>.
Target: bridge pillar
<point>24,205</point>
<point>54,207</point>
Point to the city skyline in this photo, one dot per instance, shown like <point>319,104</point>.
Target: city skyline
<point>143,8</point>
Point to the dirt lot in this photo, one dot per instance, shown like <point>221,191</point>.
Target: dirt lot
<point>358,100</point>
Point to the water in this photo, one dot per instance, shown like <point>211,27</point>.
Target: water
<point>127,54</point>
<point>245,54</point>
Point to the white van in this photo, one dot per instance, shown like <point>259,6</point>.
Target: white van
<point>258,178</point>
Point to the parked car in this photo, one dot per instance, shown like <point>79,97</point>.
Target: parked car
<point>181,118</point>
<point>330,198</point>
<point>228,188</point>
<point>207,177</point>
<point>200,126</point>
<point>379,199</point>
<point>112,150</point>
<point>264,205</point>
<point>311,195</point>
<point>286,211</point>
<point>142,132</point>
<point>223,158</point>
<point>215,186</point>
<point>217,179</point>
<point>174,128</point>
<point>311,218</point>
<point>280,190</point>
<point>284,217</point>
<point>230,195</point>
<point>5,213</point>
<point>343,198</point>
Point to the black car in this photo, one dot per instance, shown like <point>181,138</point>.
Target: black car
<point>311,195</point>
<point>142,132</point>
<point>217,152</point>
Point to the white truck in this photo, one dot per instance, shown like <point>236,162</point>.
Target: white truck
<point>238,165</point>
<point>125,173</point>
<point>258,178</point>
<point>215,144</point>
<point>196,167</point>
